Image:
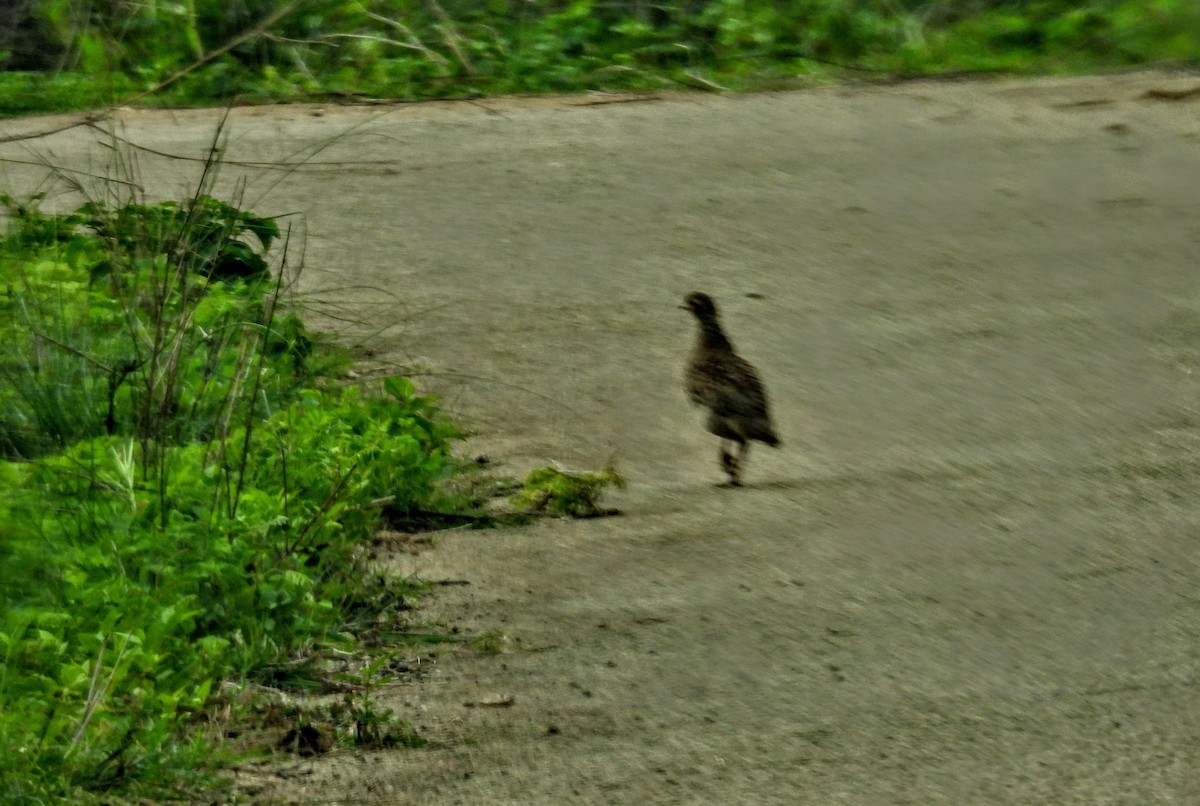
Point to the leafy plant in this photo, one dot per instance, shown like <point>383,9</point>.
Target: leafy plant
<point>368,725</point>
<point>207,51</point>
<point>184,497</point>
<point>121,319</point>
<point>562,492</point>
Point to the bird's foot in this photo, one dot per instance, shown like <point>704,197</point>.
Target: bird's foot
<point>728,462</point>
<point>733,466</point>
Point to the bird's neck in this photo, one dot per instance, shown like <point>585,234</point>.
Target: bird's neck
<point>711,335</point>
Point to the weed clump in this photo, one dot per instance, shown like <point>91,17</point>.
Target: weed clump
<point>564,492</point>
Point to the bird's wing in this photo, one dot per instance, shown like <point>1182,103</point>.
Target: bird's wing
<point>728,385</point>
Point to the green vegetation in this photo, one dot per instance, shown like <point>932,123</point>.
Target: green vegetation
<point>187,497</point>
<point>185,493</point>
<point>492,642</point>
<point>208,51</point>
<point>186,489</point>
<point>562,492</point>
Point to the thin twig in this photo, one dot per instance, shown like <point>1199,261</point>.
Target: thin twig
<point>414,40</point>
<point>452,37</point>
<point>73,351</point>
<point>330,500</point>
<point>703,83</point>
<point>432,55</point>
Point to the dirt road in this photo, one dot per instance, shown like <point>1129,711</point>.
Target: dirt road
<point>970,575</point>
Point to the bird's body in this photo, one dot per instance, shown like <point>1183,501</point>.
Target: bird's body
<point>728,386</point>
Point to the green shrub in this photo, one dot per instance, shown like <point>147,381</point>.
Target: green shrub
<point>143,321</point>
<point>184,503</point>
<point>134,588</point>
<point>399,49</point>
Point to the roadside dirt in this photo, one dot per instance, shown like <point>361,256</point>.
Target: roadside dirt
<point>970,575</point>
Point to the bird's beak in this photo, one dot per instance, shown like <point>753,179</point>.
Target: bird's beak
<point>683,307</point>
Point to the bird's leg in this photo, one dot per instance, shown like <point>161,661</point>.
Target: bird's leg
<point>734,466</point>
<point>740,462</point>
<point>727,460</point>
<point>728,463</point>
<point>730,466</point>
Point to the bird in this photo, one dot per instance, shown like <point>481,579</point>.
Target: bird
<point>729,387</point>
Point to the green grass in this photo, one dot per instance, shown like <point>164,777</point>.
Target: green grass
<point>45,93</point>
<point>205,53</point>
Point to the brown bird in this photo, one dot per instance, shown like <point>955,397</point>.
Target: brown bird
<point>728,386</point>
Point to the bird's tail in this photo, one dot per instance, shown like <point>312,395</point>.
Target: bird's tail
<point>761,430</point>
<point>766,435</point>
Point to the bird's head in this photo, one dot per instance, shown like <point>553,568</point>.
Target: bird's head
<point>701,305</point>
